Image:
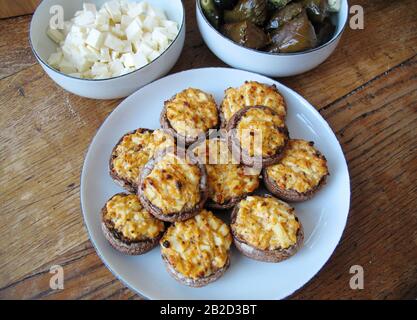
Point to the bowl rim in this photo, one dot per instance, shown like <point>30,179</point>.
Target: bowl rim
<point>335,37</point>
<point>43,62</point>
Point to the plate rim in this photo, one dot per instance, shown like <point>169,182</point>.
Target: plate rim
<point>226,69</point>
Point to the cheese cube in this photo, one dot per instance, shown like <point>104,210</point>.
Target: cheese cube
<point>124,6</point>
<point>90,53</point>
<point>170,33</point>
<point>136,60</point>
<point>171,26</point>
<point>80,30</point>
<point>105,55</point>
<point>114,10</point>
<point>86,18</point>
<point>55,59</point>
<point>74,40</point>
<point>103,27</point>
<point>102,18</point>
<point>153,55</point>
<point>142,47</point>
<point>116,68</point>
<point>66,67</point>
<point>114,43</point>
<point>55,35</point>
<point>81,63</point>
<point>147,38</point>
<point>99,70</point>
<point>89,7</point>
<point>150,23</point>
<point>128,48</point>
<point>117,30</point>
<point>136,9</point>
<point>159,36</point>
<point>114,55</point>
<point>125,21</point>
<point>134,30</point>
<point>95,38</point>
<point>156,12</point>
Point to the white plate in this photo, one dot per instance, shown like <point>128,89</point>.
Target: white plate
<point>323,217</point>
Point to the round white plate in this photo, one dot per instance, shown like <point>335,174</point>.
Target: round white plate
<point>323,217</point>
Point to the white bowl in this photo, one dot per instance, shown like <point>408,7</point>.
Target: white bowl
<point>111,88</point>
<point>270,64</point>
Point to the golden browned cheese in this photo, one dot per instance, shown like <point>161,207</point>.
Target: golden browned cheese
<point>251,94</point>
<point>128,217</point>
<point>197,247</point>
<point>226,178</point>
<point>301,168</point>
<point>191,112</point>
<point>258,125</point>
<point>135,150</point>
<point>173,185</point>
<point>266,223</point>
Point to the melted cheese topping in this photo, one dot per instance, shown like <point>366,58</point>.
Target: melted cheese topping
<point>173,184</point>
<point>258,125</point>
<point>197,247</point>
<point>266,223</point>
<point>252,94</point>
<point>192,112</point>
<point>226,178</point>
<point>301,168</point>
<point>135,150</point>
<point>129,218</point>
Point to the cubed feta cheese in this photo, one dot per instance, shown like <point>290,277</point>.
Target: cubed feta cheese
<point>124,6</point>
<point>134,30</point>
<point>114,10</point>
<point>114,43</point>
<point>116,68</point>
<point>55,35</point>
<point>117,30</point>
<point>55,59</point>
<point>153,55</point>
<point>136,9</point>
<point>136,60</point>
<point>159,36</point>
<point>90,53</point>
<point>115,55</point>
<point>66,67</point>
<point>95,38</point>
<point>156,12</point>
<point>128,47</point>
<point>103,27</point>
<point>105,55</point>
<point>150,23</point>
<point>100,70</point>
<point>142,47</point>
<point>125,21</point>
<point>86,18</point>
<point>120,37</point>
<point>102,18</point>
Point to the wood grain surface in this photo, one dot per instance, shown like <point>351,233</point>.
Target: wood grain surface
<point>367,91</point>
<point>13,8</point>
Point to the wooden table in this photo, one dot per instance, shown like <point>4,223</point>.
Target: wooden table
<point>367,91</point>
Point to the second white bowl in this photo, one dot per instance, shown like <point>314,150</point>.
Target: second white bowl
<point>270,64</point>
